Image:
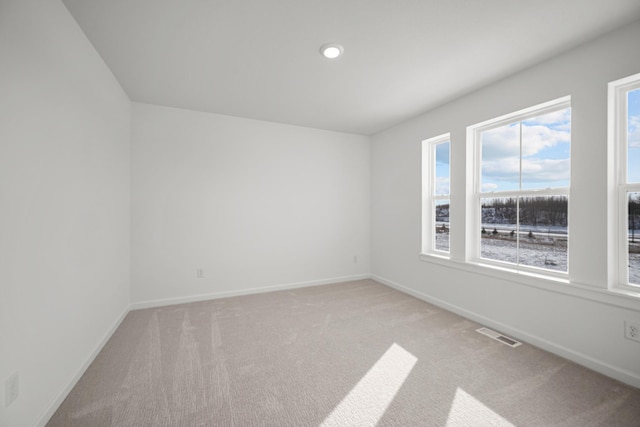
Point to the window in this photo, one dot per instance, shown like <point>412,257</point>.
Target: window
<point>521,189</point>
<point>435,194</point>
<point>624,110</point>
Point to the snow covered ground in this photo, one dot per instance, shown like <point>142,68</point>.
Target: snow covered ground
<point>541,252</point>
<point>545,250</point>
<point>634,269</point>
<point>442,239</point>
<point>634,262</point>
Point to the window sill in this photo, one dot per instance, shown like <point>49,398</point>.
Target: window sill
<point>619,297</point>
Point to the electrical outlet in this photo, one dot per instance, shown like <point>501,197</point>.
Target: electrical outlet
<point>199,273</point>
<point>632,330</point>
<point>12,388</point>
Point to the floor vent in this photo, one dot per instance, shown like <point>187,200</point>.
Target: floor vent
<point>499,337</point>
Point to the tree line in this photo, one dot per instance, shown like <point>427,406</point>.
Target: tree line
<point>534,211</point>
<point>634,214</point>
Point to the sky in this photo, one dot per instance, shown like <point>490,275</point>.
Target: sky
<point>442,168</point>
<point>633,135</point>
<point>546,145</point>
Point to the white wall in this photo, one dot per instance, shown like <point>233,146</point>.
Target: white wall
<point>256,205</point>
<point>578,327</point>
<point>64,197</point>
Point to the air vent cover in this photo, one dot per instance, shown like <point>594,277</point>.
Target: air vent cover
<point>499,337</point>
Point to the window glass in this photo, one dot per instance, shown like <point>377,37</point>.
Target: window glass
<point>499,227</point>
<point>442,169</point>
<point>524,175</point>
<point>624,108</point>
<point>441,216</point>
<point>500,158</point>
<point>529,231</point>
<point>546,154</point>
<point>634,237</point>
<point>633,136</point>
<point>543,232</point>
<point>436,189</point>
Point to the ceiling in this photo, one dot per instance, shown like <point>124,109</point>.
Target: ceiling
<point>260,59</point>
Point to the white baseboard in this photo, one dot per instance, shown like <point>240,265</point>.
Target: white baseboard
<point>247,291</point>
<point>604,368</point>
<point>57,401</point>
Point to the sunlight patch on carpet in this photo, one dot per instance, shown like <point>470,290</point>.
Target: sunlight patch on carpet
<point>466,410</point>
<point>368,400</point>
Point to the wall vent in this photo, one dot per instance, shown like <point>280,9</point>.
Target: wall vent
<point>499,337</point>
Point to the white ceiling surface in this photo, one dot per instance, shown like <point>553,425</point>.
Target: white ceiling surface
<point>260,58</point>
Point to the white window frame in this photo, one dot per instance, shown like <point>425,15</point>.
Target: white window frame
<point>617,112</point>
<point>429,198</point>
<point>473,237</point>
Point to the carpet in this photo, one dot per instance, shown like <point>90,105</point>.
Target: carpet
<point>348,354</point>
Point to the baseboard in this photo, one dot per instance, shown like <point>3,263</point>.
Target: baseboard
<point>57,401</point>
<point>247,291</point>
<point>604,368</point>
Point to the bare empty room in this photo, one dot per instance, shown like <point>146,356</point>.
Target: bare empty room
<point>305,213</point>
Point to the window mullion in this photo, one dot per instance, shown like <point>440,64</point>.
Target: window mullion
<point>518,199</point>
<point>518,230</point>
<point>520,160</point>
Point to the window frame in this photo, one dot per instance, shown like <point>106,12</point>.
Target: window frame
<point>618,139</point>
<point>474,211</point>
<point>429,196</point>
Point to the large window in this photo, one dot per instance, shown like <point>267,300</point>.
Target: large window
<point>624,109</point>
<point>521,194</point>
<point>436,195</point>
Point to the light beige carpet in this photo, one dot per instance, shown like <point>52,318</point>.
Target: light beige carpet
<point>348,354</point>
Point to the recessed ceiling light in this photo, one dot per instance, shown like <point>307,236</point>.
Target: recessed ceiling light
<point>331,50</point>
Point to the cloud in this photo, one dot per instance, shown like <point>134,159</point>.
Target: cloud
<point>501,142</point>
<point>545,158</point>
<point>536,138</point>
<point>536,173</point>
<point>489,187</point>
<point>442,185</point>
<point>502,168</point>
<point>504,142</point>
<point>633,132</point>
<point>545,171</point>
<point>560,118</point>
